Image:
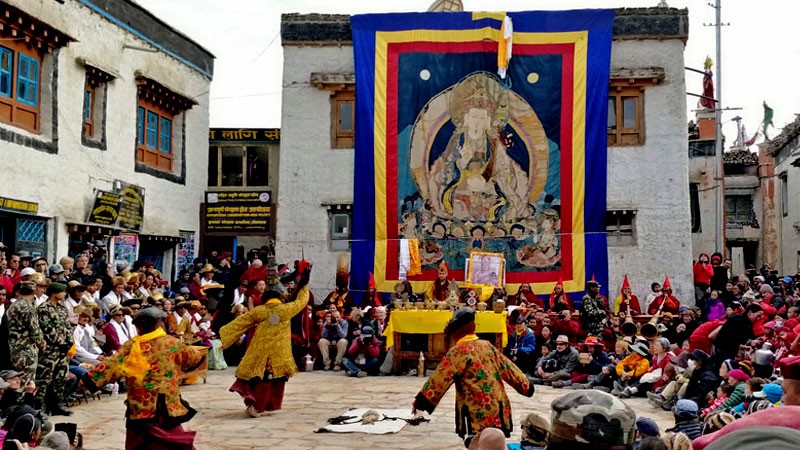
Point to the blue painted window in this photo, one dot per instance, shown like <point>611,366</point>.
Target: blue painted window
<point>6,66</point>
<point>166,135</point>
<point>152,129</point>
<point>87,105</point>
<point>28,80</point>
<point>140,125</point>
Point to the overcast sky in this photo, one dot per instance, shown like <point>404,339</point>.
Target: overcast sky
<point>760,50</point>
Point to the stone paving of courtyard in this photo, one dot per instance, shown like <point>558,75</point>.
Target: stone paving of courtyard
<point>312,398</point>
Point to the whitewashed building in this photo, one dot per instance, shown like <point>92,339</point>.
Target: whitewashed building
<point>785,149</point>
<point>648,188</point>
<point>100,95</point>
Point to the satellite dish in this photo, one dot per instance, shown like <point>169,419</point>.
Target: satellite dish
<point>446,6</point>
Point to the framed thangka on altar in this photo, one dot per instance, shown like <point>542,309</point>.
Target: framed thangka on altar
<point>486,268</point>
<point>463,160</point>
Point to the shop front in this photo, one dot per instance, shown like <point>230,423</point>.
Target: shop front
<point>21,228</point>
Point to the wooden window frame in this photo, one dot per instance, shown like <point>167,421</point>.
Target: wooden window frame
<point>13,110</point>
<point>626,137</point>
<point>342,138</point>
<point>620,235</point>
<point>784,182</point>
<point>9,72</point>
<point>88,107</point>
<point>736,215</point>
<point>153,156</point>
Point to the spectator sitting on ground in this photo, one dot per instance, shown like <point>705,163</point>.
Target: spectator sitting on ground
<point>646,428</point>
<point>631,369</point>
<point>685,413</point>
<point>558,365</point>
<point>364,353</point>
<point>738,379</point>
<point>591,360</point>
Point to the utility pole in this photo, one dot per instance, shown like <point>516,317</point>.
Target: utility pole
<point>719,174</point>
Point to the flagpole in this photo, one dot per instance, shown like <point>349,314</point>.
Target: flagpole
<point>719,171</point>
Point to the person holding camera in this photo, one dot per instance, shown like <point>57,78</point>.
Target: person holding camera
<point>521,346</point>
<point>364,353</point>
<point>334,334</point>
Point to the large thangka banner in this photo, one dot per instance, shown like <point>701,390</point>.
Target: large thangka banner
<point>452,155</point>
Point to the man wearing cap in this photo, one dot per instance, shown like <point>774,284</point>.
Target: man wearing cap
<point>478,369</point>
<point>56,273</point>
<point>24,335</point>
<point>687,419</point>
<point>558,364</point>
<point>26,274</point>
<point>594,311</point>
<point>521,346</point>
<point>364,353</point>
<point>53,361</point>
<point>151,364</point>
<point>14,393</point>
<point>591,420</point>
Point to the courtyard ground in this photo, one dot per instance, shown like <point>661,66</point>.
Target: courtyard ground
<point>312,398</point>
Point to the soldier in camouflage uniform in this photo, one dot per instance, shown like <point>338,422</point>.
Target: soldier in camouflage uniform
<point>591,420</point>
<point>25,338</point>
<point>53,361</point>
<point>593,311</point>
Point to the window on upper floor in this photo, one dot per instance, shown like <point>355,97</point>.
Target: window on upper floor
<point>153,136</point>
<point>694,205</point>
<point>626,103</point>
<point>343,119</point>
<point>238,165</point>
<point>621,227</point>
<point>95,92</point>
<point>20,82</point>
<point>625,115</point>
<point>738,209</point>
<point>784,180</point>
<point>160,118</point>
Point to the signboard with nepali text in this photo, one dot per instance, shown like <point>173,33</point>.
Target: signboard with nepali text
<point>106,208</point>
<point>242,211</point>
<point>244,134</point>
<point>131,210</point>
<point>11,204</point>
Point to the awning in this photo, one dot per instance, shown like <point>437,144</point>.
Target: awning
<point>93,229</point>
<point>161,238</point>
